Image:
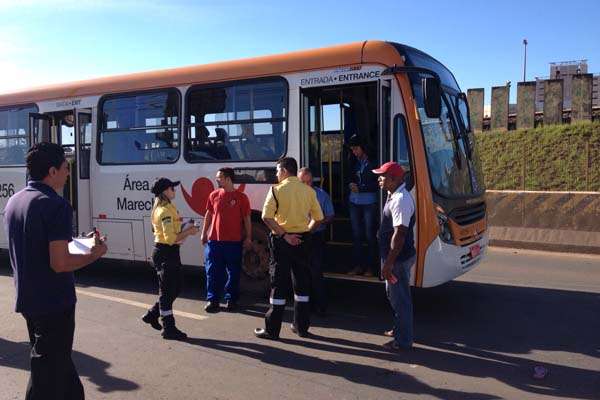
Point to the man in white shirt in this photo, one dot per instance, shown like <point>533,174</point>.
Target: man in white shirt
<point>397,249</point>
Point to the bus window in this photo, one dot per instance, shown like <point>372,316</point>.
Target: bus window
<point>67,133</point>
<point>237,122</point>
<point>402,148</point>
<point>139,128</point>
<point>14,140</point>
<point>332,117</point>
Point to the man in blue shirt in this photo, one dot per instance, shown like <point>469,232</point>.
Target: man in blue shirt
<point>318,293</point>
<point>38,222</point>
<point>363,209</point>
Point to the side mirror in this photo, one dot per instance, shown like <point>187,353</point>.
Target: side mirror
<point>433,97</point>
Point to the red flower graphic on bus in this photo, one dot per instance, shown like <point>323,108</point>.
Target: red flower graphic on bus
<point>201,188</point>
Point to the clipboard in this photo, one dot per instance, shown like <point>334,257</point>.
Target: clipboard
<point>81,245</point>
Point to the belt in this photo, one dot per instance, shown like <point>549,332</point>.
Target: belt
<point>303,235</point>
<point>166,246</point>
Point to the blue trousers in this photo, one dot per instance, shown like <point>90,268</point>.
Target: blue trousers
<point>401,301</point>
<point>363,218</point>
<point>223,263</point>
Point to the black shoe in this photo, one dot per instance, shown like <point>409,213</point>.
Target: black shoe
<point>262,333</point>
<point>231,306</point>
<point>297,332</point>
<point>152,321</point>
<point>212,307</point>
<point>174,334</point>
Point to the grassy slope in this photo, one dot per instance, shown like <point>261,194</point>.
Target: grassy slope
<point>558,157</point>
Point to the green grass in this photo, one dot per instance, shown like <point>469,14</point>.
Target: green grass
<point>558,157</point>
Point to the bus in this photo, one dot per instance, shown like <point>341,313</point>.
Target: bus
<point>119,133</point>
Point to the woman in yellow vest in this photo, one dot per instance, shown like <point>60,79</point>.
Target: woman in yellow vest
<point>166,225</point>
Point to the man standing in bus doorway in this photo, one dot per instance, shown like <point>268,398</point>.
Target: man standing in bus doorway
<point>38,222</point>
<point>318,294</point>
<point>227,211</point>
<point>398,253</point>
<point>292,212</point>
<point>363,209</point>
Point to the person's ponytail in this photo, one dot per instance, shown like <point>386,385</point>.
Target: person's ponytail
<point>159,200</point>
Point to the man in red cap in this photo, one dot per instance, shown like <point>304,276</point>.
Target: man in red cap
<point>397,249</point>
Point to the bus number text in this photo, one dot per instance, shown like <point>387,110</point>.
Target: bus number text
<point>7,190</point>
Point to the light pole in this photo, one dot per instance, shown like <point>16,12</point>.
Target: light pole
<point>524,59</point>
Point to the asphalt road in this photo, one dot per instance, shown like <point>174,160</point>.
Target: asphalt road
<point>478,337</point>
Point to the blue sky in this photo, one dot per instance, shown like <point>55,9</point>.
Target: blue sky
<point>481,42</point>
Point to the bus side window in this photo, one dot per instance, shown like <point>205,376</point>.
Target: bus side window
<point>14,138</point>
<point>139,128</point>
<point>402,148</point>
<point>246,121</point>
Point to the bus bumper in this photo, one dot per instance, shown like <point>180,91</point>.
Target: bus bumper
<point>444,262</point>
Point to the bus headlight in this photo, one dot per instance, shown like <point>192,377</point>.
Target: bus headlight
<point>445,232</point>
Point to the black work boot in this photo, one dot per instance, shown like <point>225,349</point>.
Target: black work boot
<point>151,319</point>
<point>170,331</point>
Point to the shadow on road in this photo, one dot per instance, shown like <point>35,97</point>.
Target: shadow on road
<point>472,329</point>
<point>395,380</point>
<point>16,355</point>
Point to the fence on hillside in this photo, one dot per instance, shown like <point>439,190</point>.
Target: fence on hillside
<point>528,112</point>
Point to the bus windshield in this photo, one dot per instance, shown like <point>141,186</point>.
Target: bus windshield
<point>449,151</point>
<point>468,139</point>
<point>452,156</point>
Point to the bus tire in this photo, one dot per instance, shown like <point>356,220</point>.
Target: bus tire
<point>255,262</point>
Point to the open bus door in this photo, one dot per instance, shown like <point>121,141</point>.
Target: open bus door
<point>83,140</point>
<point>59,128</point>
<point>330,116</point>
<point>39,128</point>
<point>39,131</point>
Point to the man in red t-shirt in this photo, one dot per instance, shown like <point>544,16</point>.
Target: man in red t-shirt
<point>227,211</point>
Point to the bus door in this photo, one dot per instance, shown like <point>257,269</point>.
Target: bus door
<point>385,110</point>
<point>59,127</point>
<point>83,123</point>
<point>384,100</point>
<point>39,128</point>
<point>331,116</point>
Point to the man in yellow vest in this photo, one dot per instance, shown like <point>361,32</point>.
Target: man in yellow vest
<point>292,212</point>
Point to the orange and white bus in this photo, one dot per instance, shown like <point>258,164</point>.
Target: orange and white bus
<point>121,132</point>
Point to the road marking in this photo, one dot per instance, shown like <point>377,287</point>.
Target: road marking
<point>516,251</point>
<point>138,304</point>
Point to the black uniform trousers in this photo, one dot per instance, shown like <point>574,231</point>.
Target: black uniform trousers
<point>318,293</point>
<point>167,263</point>
<point>53,374</point>
<point>289,268</point>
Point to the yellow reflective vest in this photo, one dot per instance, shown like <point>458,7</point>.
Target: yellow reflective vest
<point>166,224</point>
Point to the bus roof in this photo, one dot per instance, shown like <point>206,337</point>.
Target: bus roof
<point>367,52</point>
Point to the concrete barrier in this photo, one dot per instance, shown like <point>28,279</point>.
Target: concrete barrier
<point>499,108</point>
<point>526,104</point>
<point>581,105</point>
<point>553,101</point>
<point>559,221</point>
<point>475,99</point>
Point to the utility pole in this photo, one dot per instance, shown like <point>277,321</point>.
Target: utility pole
<point>525,59</point>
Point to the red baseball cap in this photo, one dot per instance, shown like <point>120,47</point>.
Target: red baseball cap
<point>390,167</point>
